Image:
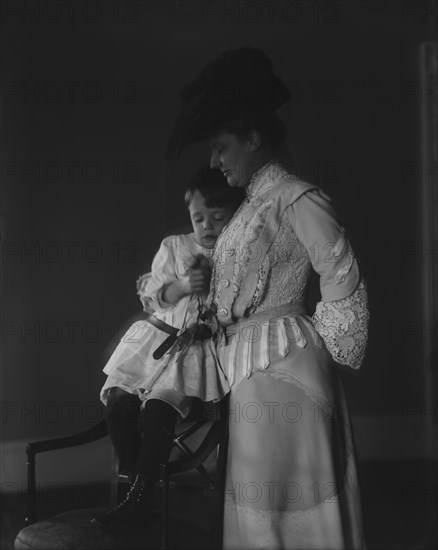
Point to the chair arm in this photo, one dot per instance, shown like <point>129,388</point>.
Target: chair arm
<point>87,436</point>
<point>96,432</point>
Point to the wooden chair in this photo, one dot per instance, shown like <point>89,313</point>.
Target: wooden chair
<point>216,436</point>
<point>73,530</point>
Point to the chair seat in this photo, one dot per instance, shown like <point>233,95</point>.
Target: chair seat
<point>73,530</point>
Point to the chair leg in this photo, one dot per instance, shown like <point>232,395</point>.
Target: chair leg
<point>114,487</point>
<point>165,541</point>
<point>31,486</point>
<point>188,452</point>
<point>220,503</point>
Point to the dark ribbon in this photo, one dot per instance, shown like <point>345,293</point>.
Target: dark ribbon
<point>202,332</point>
<point>168,329</point>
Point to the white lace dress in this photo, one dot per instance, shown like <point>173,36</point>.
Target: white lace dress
<point>291,474</point>
<point>179,375</point>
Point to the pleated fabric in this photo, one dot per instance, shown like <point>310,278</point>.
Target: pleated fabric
<point>291,474</point>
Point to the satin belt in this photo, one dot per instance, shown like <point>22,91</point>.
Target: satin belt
<point>291,309</point>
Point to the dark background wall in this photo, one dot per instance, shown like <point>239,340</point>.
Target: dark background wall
<point>89,96</point>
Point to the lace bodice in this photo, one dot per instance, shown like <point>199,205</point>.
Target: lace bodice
<point>282,276</point>
<point>278,282</point>
<point>264,258</point>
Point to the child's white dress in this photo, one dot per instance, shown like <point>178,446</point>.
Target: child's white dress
<point>194,370</point>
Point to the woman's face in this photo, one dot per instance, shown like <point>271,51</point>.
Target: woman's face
<point>235,158</point>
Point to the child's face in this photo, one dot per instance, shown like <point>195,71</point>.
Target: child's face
<point>207,222</point>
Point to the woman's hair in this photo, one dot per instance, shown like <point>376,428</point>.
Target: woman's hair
<point>212,185</point>
<point>271,128</point>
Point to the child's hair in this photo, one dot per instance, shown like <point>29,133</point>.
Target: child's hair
<point>212,185</point>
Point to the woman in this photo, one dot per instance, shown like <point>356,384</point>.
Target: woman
<point>291,474</point>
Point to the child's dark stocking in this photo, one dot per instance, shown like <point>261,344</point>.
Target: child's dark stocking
<point>122,415</point>
<point>157,423</point>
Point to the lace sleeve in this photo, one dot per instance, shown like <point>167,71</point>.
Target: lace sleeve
<point>343,325</point>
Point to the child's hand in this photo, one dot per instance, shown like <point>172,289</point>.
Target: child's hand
<point>200,274</point>
<point>199,280</point>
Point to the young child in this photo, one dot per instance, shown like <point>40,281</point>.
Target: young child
<point>167,359</point>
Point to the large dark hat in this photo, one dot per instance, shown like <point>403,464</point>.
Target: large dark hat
<point>237,81</point>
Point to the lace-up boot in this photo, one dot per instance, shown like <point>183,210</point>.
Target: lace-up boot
<point>132,512</point>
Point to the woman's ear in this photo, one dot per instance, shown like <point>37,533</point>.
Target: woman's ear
<point>254,140</point>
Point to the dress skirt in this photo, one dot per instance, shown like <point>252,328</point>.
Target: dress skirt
<point>291,479</point>
<point>180,374</point>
